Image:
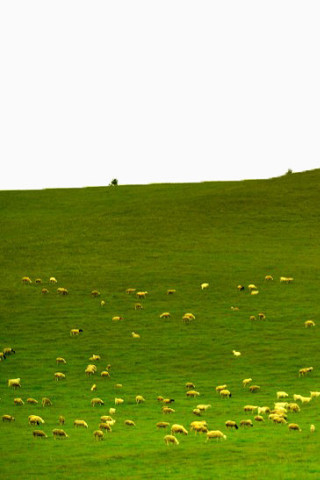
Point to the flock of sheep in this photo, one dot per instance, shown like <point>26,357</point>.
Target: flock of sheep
<point>278,413</point>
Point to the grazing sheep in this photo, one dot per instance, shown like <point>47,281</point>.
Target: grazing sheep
<point>60,360</point>
<point>315,394</point>
<point>138,306</point>
<point>8,418</point>
<point>231,424</point>
<point>204,286</point>
<point>246,381</point>
<point>112,411</point>
<point>14,383</point>
<point>282,395</point>
<point>39,433</point>
<point>165,315</point>
<point>294,426</point>
<point>94,358</point>
<point>140,399</point>
<point>305,399</point>
<point>203,407</point>
<point>261,316</point>
<point>46,402</point>
<point>105,426</point>
<point>118,401</point>
<point>53,280</point>
<point>190,385</point>
<point>171,439</point>
<point>254,388</point>
<point>221,387</point>
<point>59,376</point>
<point>2,356</point>
<point>32,401</point>
<point>304,371</point>
<point>141,294</point>
<point>105,374</point>
<point>192,393</point>
<point>95,293</point>
<point>171,291</point>
<point>90,369</point>
<point>96,401</point>
<point>277,418</point>
<point>217,434</point>
<point>250,408</point>
<point>235,353</point>
<point>252,287</point>
<point>130,423</point>
<point>176,428</point>
<point>102,303</point>
<point>93,388</point>
<point>254,292</point>
<point>197,411</point>
<point>61,420</point>
<point>35,420</point>
<point>135,335</point>
<point>263,410</point>
<point>235,309</point>
<point>98,434</point>
<point>58,432</point>
<point>117,318</point>
<point>62,291</point>
<point>293,407</point>
<point>38,281</point>
<point>252,318</point>
<point>187,317</point>
<point>162,424</point>
<point>18,401</point>
<point>80,423</point>
<point>286,279</point>
<point>199,428</point>
<point>240,287</point>
<point>246,423</point>
<point>118,385</point>
<point>259,418</point>
<point>44,291</point>
<point>167,400</point>
<point>130,290</point>
<point>167,410</point>
<point>8,351</point>
<point>309,323</point>
<point>281,404</point>
<point>106,418</point>
<point>26,280</point>
<point>296,397</point>
<point>312,428</point>
<point>268,277</point>
<point>225,393</point>
<point>160,398</point>
<point>75,331</point>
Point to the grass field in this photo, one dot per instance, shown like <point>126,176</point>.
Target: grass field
<point>154,238</point>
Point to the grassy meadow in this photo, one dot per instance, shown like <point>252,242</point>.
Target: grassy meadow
<point>154,238</point>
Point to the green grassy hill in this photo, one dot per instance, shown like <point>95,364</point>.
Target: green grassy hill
<point>154,238</point>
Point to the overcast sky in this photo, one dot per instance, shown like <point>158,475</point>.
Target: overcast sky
<point>150,91</point>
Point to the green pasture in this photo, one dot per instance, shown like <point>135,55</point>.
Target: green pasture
<point>154,238</point>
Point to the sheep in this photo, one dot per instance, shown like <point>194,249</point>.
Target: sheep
<point>254,388</point>
<point>141,294</point>
<point>44,291</point>
<point>162,424</point>
<point>167,410</point>
<point>252,318</point>
<point>35,420</point>
<point>80,423</point>
<point>268,277</point>
<point>203,407</point>
<point>60,360</point>
<point>204,286</point>
<point>282,395</point>
<point>165,315</point>
<point>102,303</point>
<point>225,393</point>
<point>217,434</point>
<point>32,401</point>
<point>26,280</point>
<point>53,280</point>
<point>236,353</point>
<point>281,404</point>
<point>135,335</point>
<point>138,306</point>
<point>18,401</point>
<point>294,426</point>
<point>240,287</point>
<point>192,393</point>
<point>259,418</point>
<point>309,323</point>
<point>166,401</point>
<point>112,411</point>
<point>176,428</point>
<point>197,422</point>
<point>98,434</point>
<point>160,398</point>
<point>61,420</point>
<point>187,317</point>
<point>96,401</point>
<point>2,356</point>
<point>130,423</point>
<point>46,402</point>
<point>117,318</point>
<point>199,428</point>
<point>75,331</point>
<point>254,292</point>
<point>118,401</point>
<point>263,410</point>
<point>246,381</point>
<point>261,316</point>
<point>8,418</point>
<point>293,407</point>
<point>278,419</point>
<point>94,358</point>
<point>8,351</point>
<point>286,279</point>
<point>90,369</point>
<point>171,439</point>
<point>305,399</point>
<point>231,424</point>
<point>315,394</point>
<point>58,432</point>
<point>106,418</point>
<point>252,287</point>
<point>280,411</point>
<point>140,399</point>
<point>93,388</point>
<point>296,397</point>
<point>62,291</point>
<point>38,281</point>
<point>105,374</point>
<point>118,385</point>
<point>235,309</point>
<point>304,371</point>
<point>246,423</point>
<point>130,290</point>
<point>221,387</point>
<point>190,385</point>
<point>171,291</point>
<point>105,426</point>
<point>250,408</point>
<point>39,433</point>
<point>197,411</point>
<point>95,293</point>
<point>14,383</point>
<point>312,428</point>
<point>59,376</point>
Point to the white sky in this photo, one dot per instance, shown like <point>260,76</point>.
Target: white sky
<point>150,91</point>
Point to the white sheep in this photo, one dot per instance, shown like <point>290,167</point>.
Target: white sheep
<point>118,401</point>
<point>14,383</point>
<point>236,353</point>
<point>58,432</point>
<point>95,293</point>
<point>98,434</point>
<point>35,420</point>
<point>90,369</point>
<point>176,428</point>
<point>80,423</point>
<point>259,418</point>
<point>105,426</point>
<point>112,411</point>
<point>304,371</point>
<point>192,393</point>
<point>312,428</point>
<point>165,315</point>
<point>187,317</point>
<point>252,287</point>
<point>167,410</point>
<point>93,388</point>
<point>250,408</point>
<point>263,410</point>
<point>26,280</point>
<point>105,374</point>
<point>46,402</point>
<point>162,424</point>
<point>94,358</point>
<point>204,286</point>
<point>130,423</point>
<point>231,424</point>
<point>141,294</point>
<point>254,388</point>
<point>268,277</point>
<point>286,279</point>
<point>32,401</point>
<point>140,399</point>
<point>246,423</point>
<point>282,394</point>
<point>246,381</point>
<point>221,387</point>
<point>130,290</point>
<point>8,351</point>
<point>171,291</point>
<point>225,393</point>
<point>53,280</point>
<point>62,291</point>
<point>254,292</point>
<point>18,401</point>
<point>203,407</point>
<point>135,335</point>
<point>293,407</point>
<point>96,401</point>
<point>59,376</point>
<point>116,318</point>
<point>294,426</point>
<point>60,360</point>
<point>217,434</point>
<point>39,433</point>
<point>38,281</point>
<point>171,439</point>
<point>8,418</point>
<point>61,420</point>
<point>315,394</point>
<point>44,291</point>
<point>75,331</point>
<point>190,385</point>
<point>309,323</point>
<point>138,306</point>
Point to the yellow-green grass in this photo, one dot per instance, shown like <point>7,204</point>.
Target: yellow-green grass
<point>153,238</point>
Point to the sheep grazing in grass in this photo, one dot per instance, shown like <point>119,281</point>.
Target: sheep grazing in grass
<point>190,385</point>
<point>252,318</point>
<point>254,292</point>
<point>130,423</point>
<point>53,280</point>
<point>263,410</point>
<point>171,291</point>
<point>282,395</point>
<point>141,294</point>
<point>38,281</point>
<point>268,277</point>
<point>96,401</point>
<point>293,407</point>
<point>259,418</point>
<point>246,423</point>
<point>252,287</point>
<point>250,408</point>
<point>61,420</point>
<point>117,318</point>
<point>102,303</point>
<point>130,290</point>
<point>197,411</point>
<point>231,424</point>
<point>140,399</point>
<point>204,286</point>
<point>171,439</point>
<point>217,434</point>
<point>35,420</point>
<point>44,291</point>
<point>188,317</point>
<point>98,434</point>
<point>176,428</point>
<point>315,394</point>
<point>167,410</point>
<point>8,418</point>
<point>118,401</point>
<point>105,426</point>
<point>286,279</point>
<point>80,423</point>
<point>235,309</point>
<point>246,381</point>
<point>118,385</point>
<point>95,358</point>
<point>162,424</point>
<point>32,401</point>
<point>46,402</point>
<point>59,433</point>
<point>26,280</point>
<point>167,400</point>
<point>236,353</point>
<point>305,399</point>
<point>62,291</point>
<point>59,376</point>
<point>2,356</point>
<point>309,323</point>
<point>18,401</point>
<point>304,371</point>
<point>90,369</point>
<point>203,407</point>
<point>240,288</point>
<point>221,387</point>
<point>192,393</point>
<point>8,351</point>
<point>165,315</point>
<point>138,306</point>
<point>135,335</point>
<point>312,428</point>
<point>75,331</point>
<point>261,316</point>
<point>112,411</point>
<point>105,374</point>
<point>254,388</point>
<point>95,293</point>
<point>14,383</point>
<point>160,398</point>
<point>39,434</point>
<point>60,360</point>
<point>294,426</point>
<point>93,388</point>
<point>225,393</point>
<point>106,418</point>
<point>199,428</point>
